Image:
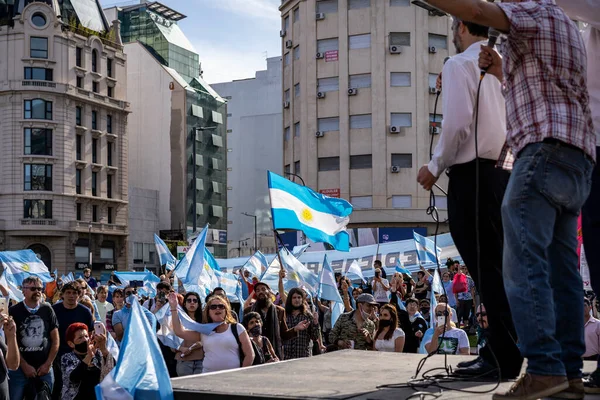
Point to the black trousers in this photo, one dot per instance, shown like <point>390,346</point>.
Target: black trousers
<point>461,213</point>
<point>463,311</point>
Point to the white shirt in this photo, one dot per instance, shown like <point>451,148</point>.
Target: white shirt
<point>103,308</point>
<point>454,340</point>
<point>379,292</point>
<point>389,345</point>
<point>588,11</point>
<point>221,350</point>
<point>460,78</point>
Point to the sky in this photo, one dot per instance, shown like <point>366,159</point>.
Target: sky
<point>232,37</point>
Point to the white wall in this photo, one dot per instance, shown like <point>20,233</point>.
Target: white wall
<point>256,143</point>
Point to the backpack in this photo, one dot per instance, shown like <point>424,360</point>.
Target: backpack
<point>460,285</point>
<point>258,356</point>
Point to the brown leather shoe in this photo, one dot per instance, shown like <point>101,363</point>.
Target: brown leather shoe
<point>575,391</point>
<point>532,387</point>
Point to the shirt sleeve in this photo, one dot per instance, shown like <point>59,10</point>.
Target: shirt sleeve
<point>240,329</point>
<point>398,333</point>
<point>524,19</point>
<point>53,319</point>
<point>463,340</point>
<point>116,319</point>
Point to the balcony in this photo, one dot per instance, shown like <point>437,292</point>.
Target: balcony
<point>80,164</point>
<point>98,227</point>
<point>48,84</point>
<point>111,136</point>
<point>38,222</point>
<point>80,128</point>
<point>96,167</point>
<point>96,133</point>
<point>111,169</point>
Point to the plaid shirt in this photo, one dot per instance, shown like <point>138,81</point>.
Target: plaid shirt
<point>301,345</point>
<point>545,84</point>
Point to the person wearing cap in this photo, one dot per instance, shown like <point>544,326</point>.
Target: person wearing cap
<point>354,330</point>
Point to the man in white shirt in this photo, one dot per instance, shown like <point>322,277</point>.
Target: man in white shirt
<point>456,151</point>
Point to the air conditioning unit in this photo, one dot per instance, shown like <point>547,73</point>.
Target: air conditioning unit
<point>286,104</point>
<point>394,169</point>
<point>432,49</point>
<point>432,90</point>
<point>282,33</point>
<point>394,49</point>
<point>395,129</point>
<point>352,92</point>
<point>320,16</point>
<point>319,134</point>
<point>435,130</point>
<point>320,95</point>
<point>319,56</point>
<point>288,44</point>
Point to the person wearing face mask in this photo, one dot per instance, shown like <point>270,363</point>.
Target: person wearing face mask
<point>389,337</point>
<point>120,319</point>
<point>418,323</point>
<point>355,330</point>
<point>425,308</point>
<point>86,365</point>
<point>446,338</point>
<point>253,324</point>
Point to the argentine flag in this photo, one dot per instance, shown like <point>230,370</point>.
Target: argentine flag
<point>321,218</point>
<point>191,266</point>
<point>400,268</point>
<point>425,252</point>
<point>22,263</point>
<point>328,291</point>
<point>355,270</point>
<point>256,265</point>
<point>166,258</point>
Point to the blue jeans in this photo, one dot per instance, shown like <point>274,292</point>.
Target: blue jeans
<point>17,383</point>
<point>185,368</point>
<point>548,186</point>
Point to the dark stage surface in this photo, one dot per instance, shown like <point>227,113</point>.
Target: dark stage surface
<point>347,374</point>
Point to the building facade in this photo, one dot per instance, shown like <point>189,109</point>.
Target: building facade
<point>177,130</point>
<point>63,128</point>
<point>358,103</point>
<point>254,137</point>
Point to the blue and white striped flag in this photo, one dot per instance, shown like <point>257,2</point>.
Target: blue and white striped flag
<point>328,291</point>
<point>297,251</point>
<point>68,278</point>
<point>354,269</point>
<point>297,275</point>
<point>24,263</point>
<point>166,258</point>
<point>425,250</point>
<point>436,285</point>
<point>400,268</point>
<point>321,218</point>
<point>256,265</point>
<point>11,286</point>
<point>191,266</point>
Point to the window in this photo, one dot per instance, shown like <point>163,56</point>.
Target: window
<point>402,160</point>
<point>297,167</point>
<point>297,129</point>
<point>286,133</point>
<point>438,41</point>
<point>297,53</point>
<point>109,66</point>
<point>109,153</point>
<point>399,3</point>
<point>38,19</point>
<point>362,161</point>
<point>287,169</point>
<point>78,146</point>
<point>94,184</point>
<point>297,90</point>
<point>109,214</point>
<point>94,213</point>
<point>324,45</point>
<point>328,84</point>
<point>217,187</point>
<point>39,74</point>
<point>78,181</point>
<point>217,140</point>
<point>360,121</point>
<point>327,6</point>
<point>286,95</point>
<point>359,41</point>
<point>362,202</point>
<point>400,38</point>
<point>402,201</point>
<point>78,215</point>
<point>38,141</point>
<point>360,81</point>
<point>38,47</point>
<point>441,202</point>
<point>438,118</point>
<point>355,4</point>
<point>197,111</point>
<point>433,80</point>
<point>37,177</point>
<point>94,60</point>
<point>329,164</point>
<point>217,117</point>
<point>94,119</point>
<point>109,186</point>
<point>94,150</point>
<point>37,209</point>
<point>38,109</point>
<point>109,123</point>
<point>217,211</point>
<point>110,91</point>
<point>400,79</point>
<point>80,82</point>
<point>286,23</point>
<point>78,116</point>
<point>286,59</point>
<point>296,14</point>
<point>95,87</point>
<point>78,52</point>
<point>328,124</point>
<point>401,119</point>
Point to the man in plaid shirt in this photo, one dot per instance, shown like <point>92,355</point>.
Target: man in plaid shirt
<point>297,312</point>
<point>550,133</point>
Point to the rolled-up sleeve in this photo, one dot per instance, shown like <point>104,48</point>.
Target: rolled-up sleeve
<point>524,19</point>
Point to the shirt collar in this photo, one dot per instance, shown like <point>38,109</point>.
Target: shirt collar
<point>475,47</point>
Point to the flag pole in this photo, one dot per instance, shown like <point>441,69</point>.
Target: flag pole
<point>275,235</point>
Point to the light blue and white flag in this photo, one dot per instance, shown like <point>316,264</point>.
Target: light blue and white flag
<point>400,268</point>
<point>321,218</point>
<point>191,265</point>
<point>11,286</point>
<point>425,250</point>
<point>297,275</point>
<point>297,251</point>
<point>68,278</point>
<point>164,254</point>
<point>433,305</point>
<point>24,263</point>
<point>55,274</point>
<point>256,265</point>
<point>436,285</point>
<point>328,291</point>
<point>140,371</point>
<point>354,269</point>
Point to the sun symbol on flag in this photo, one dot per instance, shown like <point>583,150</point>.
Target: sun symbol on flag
<point>26,267</point>
<point>307,215</point>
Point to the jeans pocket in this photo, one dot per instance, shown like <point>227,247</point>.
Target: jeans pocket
<point>565,184</point>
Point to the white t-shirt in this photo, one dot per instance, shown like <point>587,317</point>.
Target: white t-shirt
<point>389,345</point>
<point>103,308</point>
<point>379,292</point>
<point>454,340</point>
<point>221,350</point>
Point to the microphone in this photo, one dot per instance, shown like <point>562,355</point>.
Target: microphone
<point>493,35</point>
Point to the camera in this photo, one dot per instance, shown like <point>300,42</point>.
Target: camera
<point>160,296</point>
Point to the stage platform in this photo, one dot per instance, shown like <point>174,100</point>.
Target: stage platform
<point>348,374</point>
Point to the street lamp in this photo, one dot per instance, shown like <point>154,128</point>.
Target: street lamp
<point>90,243</point>
<point>196,130</point>
<point>297,176</point>
<point>255,230</point>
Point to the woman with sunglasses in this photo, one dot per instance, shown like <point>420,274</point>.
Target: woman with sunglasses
<point>190,354</point>
<point>446,338</point>
<point>221,349</point>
